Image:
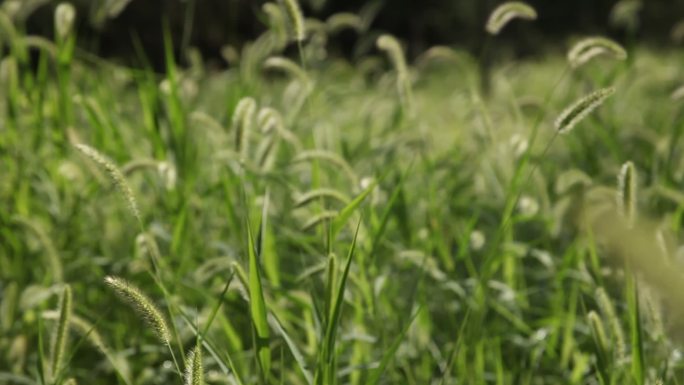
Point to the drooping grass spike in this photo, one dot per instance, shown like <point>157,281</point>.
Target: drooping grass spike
<point>390,45</point>
<point>143,305</point>
<point>243,118</point>
<point>294,12</point>
<point>592,47</point>
<point>572,115</point>
<point>506,12</point>
<point>116,175</point>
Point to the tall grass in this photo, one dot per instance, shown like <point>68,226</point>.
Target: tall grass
<point>321,220</point>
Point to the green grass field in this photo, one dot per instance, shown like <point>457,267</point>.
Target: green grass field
<point>316,220</point>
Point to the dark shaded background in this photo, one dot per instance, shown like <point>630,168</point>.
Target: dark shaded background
<point>420,23</point>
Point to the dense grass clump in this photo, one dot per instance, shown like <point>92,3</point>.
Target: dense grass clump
<point>299,218</point>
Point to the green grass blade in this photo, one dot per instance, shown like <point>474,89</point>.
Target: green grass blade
<point>636,332</point>
<point>331,329</point>
<point>389,354</point>
<point>344,214</point>
<point>292,346</point>
<point>257,306</point>
<point>226,365</point>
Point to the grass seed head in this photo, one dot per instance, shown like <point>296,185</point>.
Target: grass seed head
<point>626,196</point>
<point>194,373</point>
<point>243,117</point>
<point>116,175</point>
<point>294,12</point>
<point>608,310</point>
<point>390,45</point>
<point>65,15</point>
<point>143,305</point>
<point>60,334</point>
<point>506,12</point>
<point>598,330</point>
<point>86,329</point>
<point>572,115</point>
<point>276,21</point>
<point>589,48</point>
<point>344,20</point>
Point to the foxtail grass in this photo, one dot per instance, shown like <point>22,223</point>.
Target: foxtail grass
<point>506,12</point>
<point>587,49</point>
<point>143,305</point>
<point>117,178</point>
<point>390,45</point>
<point>326,193</point>
<point>242,122</point>
<point>627,192</point>
<point>65,15</point>
<point>60,333</point>
<point>194,372</point>
<point>608,309</point>
<point>294,12</point>
<point>344,20</point>
<point>49,249</point>
<point>579,110</point>
<point>598,331</point>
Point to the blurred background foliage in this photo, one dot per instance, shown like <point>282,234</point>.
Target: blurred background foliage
<point>112,26</point>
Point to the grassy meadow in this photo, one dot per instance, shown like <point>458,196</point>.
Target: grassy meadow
<point>301,218</point>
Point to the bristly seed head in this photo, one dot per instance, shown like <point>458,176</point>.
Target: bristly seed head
<point>580,109</point>
<point>65,14</point>
<point>60,335</point>
<point>142,304</point>
<point>506,12</point>
<point>294,11</point>
<point>194,373</point>
<point>589,48</point>
<point>626,196</point>
<point>116,175</point>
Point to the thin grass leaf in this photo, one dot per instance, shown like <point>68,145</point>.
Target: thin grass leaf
<point>341,219</point>
<point>257,306</point>
<point>311,196</point>
<point>390,353</point>
<point>319,218</point>
<point>336,309</point>
<point>636,334</point>
<point>327,353</point>
<point>292,346</point>
<point>226,365</point>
